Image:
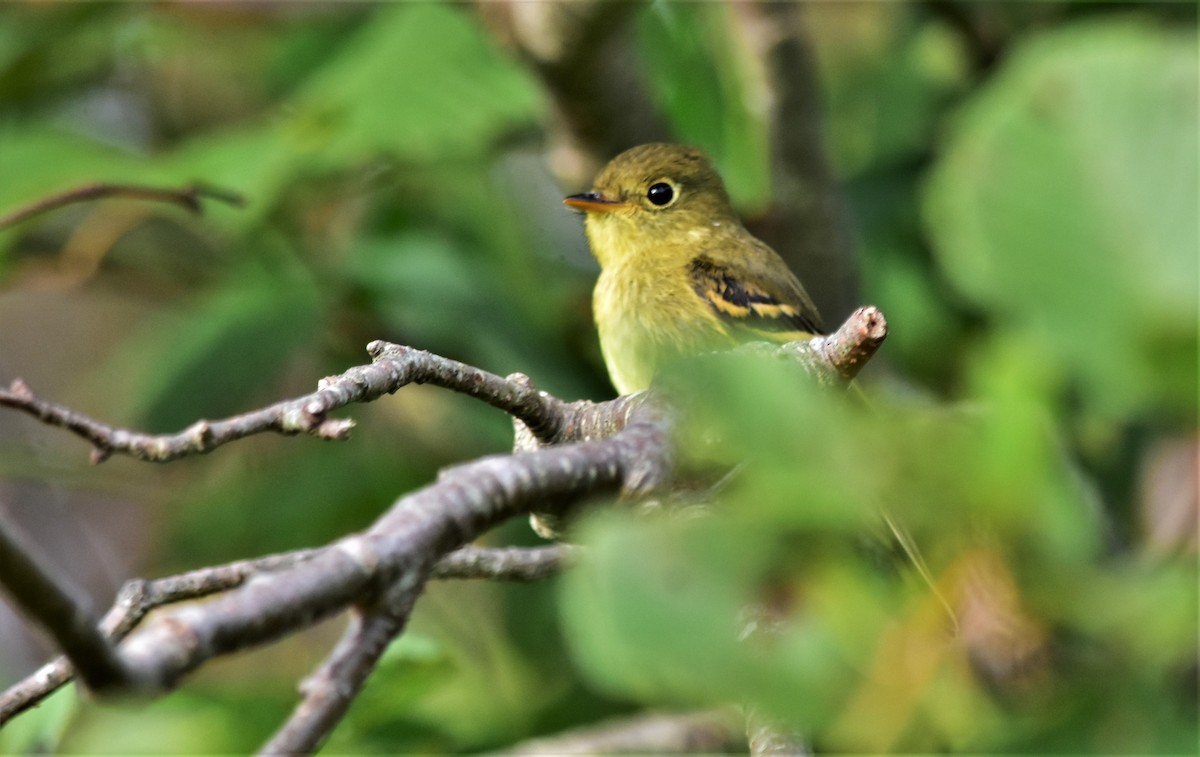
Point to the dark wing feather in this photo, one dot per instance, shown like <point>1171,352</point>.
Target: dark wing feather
<point>770,303</point>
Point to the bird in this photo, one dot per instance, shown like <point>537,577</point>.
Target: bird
<point>679,273</point>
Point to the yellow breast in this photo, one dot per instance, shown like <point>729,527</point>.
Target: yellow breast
<point>645,318</point>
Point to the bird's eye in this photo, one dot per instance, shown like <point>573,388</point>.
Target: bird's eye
<point>660,194</point>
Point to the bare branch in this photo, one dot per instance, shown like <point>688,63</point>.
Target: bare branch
<point>393,367</point>
<point>599,448</point>
<point>849,348</point>
<point>329,691</point>
<point>188,197</point>
<point>697,732</point>
<point>403,544</point>
<point>766,737</point>
<point>137,598</point>
<point>510,564</point>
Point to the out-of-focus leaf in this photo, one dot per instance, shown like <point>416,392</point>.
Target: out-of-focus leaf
<point>191,722</point>
<point>711,90</point>
<point>886,75</point>
<point>803,528</point>
<point>663,625</point>
<point>38,163</point>
<point>296,492</point>
<point>33,68</point>
<point>214,358</point>
<point>41,730</point>
<point>424,288</point>
<point>420,81</point>
<point>1066,203</point>
<point>258,164</point>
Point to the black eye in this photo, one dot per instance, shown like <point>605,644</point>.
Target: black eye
<point>660,194</point>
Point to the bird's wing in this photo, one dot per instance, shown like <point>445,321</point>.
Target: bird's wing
<point>762,297</point>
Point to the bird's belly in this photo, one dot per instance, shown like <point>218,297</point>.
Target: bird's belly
<point>641,326</point>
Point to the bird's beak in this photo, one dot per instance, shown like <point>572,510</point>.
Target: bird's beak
<point>593,202</point>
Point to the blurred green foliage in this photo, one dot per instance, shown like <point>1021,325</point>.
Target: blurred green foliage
<point>1028,227</point>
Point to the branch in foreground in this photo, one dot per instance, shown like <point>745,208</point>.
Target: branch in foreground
<point>134,601</point>
<point>421,527</point>
<point>138,597</point>
<point>766,737</point>
<point>715,732</point>
<point>626,447</point>
<point>44,594</point>
<point>507,564</point>
<point>840,354</point>
<point>329,691</point>
<point>188,197</point>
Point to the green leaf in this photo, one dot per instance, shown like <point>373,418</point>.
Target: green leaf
<point>709,86</point>
<point>421,81</point>
<point>219,356</point>
<point>886,72</point>
<point>1066,203</point>
<point>641,626</point>
<point>40,730</point>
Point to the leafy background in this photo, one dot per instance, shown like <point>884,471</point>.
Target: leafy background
<point>1026,221</point>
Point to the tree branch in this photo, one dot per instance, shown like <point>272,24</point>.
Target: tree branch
<point>329,691</point>
<point>511,564</point>
<point>134,601</point>
<point>656,733</point>
<point>393,367</point>
<point>808,221</point>
<point>403,544</point>
<point>622,446</point>
<point>139,596</point>
<point>584,54</point>
<point>188,197</point>
<point>834,358</point>
<point>58,608</point>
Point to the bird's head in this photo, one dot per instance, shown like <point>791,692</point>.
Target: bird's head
<point>653,199</point>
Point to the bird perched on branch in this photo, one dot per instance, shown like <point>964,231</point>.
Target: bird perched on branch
<point>680,275</point>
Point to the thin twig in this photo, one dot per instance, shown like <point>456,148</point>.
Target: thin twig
<point>329,691</point>
<point>134,601</point>
<point>139,596</point>
<point>188,197</point>
<point>393,367</point>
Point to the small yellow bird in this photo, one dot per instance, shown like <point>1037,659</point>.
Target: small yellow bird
<point>679,274</point>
